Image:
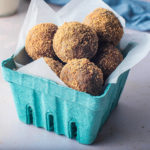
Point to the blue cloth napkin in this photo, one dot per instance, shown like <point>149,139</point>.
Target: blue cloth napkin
<point>135,12</point>
<point>57,2</point>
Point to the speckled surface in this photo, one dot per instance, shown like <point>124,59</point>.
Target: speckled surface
<point>128,128</point>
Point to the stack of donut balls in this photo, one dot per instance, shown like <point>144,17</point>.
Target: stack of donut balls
<point>83,54</point>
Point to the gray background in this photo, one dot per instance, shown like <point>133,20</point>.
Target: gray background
<point>128,127</point>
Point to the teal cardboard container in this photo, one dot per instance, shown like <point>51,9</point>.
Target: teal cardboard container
<point>45,104</point>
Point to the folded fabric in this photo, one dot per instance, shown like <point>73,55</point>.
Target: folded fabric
<point>58,2</point>
<point>135,12</point>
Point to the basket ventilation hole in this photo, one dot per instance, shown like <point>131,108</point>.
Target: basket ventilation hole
<point>51,122</point>
<point>29,115</point>
<point>73,130</point>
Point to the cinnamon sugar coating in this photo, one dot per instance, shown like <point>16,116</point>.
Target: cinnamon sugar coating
<point>75,40</point>
<point>55,65</point>
<point>83,75</point>
<point>108,58</point>
<point>39,41</point>
<point>106,25</point>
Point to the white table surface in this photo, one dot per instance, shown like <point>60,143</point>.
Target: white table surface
<point>128,128</point>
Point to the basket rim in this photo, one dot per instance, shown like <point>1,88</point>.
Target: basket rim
<point>6,68</point>
<point>21,79</point>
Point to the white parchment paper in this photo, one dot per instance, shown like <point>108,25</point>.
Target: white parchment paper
<point>75,10</point>
<point>137,46</point>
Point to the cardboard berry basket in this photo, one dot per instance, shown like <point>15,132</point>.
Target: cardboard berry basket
<point>46,104</point>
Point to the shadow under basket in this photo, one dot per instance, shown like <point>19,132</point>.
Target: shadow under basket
<point>45,104</point>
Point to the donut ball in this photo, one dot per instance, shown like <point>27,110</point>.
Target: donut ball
<point>55,65</point>
<point>39,41</point>
<point>106,25</point>
<point>108,59</point>
<point>82,75</point>
<point>75,40</point>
